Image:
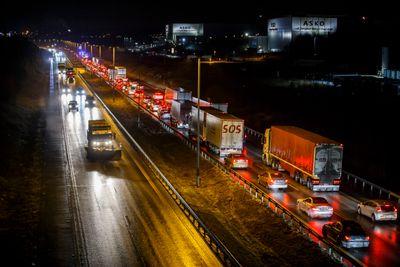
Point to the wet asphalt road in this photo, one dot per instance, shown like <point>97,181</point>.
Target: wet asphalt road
<point>107,213</point>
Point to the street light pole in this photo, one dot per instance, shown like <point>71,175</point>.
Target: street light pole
<point>138,88</point>
<point>114,56</point>
<point>198,124</point>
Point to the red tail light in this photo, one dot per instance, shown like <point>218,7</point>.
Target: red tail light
<point>336,182</point>
<point>394,209</point>
<point>367,238</point>
<point>314,181</point>
<point>347,238</point>
<point>286,181</point>
<point>378,209</point>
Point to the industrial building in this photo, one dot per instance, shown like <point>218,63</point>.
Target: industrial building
<point>282,31</point>
<point>183,32</point>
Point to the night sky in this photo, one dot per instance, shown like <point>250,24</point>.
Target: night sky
<point>144,17</point>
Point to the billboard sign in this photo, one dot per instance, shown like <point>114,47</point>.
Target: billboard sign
<point>186,29</point>
<point>314,25</point>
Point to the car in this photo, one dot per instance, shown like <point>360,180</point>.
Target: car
<point>378,210</point>
<point>315,207</point>
<point>90,101</point>
<point>66,90</point>
<point>154,105</point>
<point>73,105</point>
<point>274,180</point>
<point>236,161</point>
<point>80,91</point>
<point>146,99</point>
<point>139,93</point>
<point>346,233</point>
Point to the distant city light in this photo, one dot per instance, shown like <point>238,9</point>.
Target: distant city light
<point>69,30</point>
<point>246,34</point>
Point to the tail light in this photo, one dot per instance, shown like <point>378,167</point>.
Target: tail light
<point>286,181</point>
<point>330,208</point>
<point>336,181</point>
<point>378,209</point>
<point>314,181</point>
<point>315,209</point>
<point>394,209</point>
<point>347,237</point>
<point>367,238</point>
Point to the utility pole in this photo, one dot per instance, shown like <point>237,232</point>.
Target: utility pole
<point>198,125</point>
<point>113,56</point>
<point>138,88</point>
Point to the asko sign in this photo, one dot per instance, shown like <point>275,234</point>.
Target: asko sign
<point>187,29</point>
<point>232,128</point>
<point>314,25</point>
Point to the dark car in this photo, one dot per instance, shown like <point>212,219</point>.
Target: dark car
<point>80,91</point>
<point>73,105</point>
<point>90,101</point>
<point>346,233</point>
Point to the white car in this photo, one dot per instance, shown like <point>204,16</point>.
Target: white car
<point>315,207</point>
<point>236,161</point>
<point>378,210</point>
<point>274,180</point>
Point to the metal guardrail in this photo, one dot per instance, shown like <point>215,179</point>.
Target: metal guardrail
<point>213,242</point>
<point>361,184</point>
<point>367,187</point>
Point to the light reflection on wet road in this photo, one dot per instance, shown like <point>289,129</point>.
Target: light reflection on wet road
<point>127,219</point>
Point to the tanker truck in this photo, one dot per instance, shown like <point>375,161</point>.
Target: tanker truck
<point>311,159</point>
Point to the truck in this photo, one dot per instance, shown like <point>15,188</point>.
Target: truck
<point>180,113</point>
<point>177,94</point>
<point>102,143</point>
<point>311,159</point>
<point>221,132</point>
<point>116,72</point>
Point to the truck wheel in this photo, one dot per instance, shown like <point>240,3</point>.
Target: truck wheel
<point>296,177</point>
<point>324,233</point>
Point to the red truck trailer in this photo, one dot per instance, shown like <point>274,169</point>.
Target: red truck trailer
<point>311,159</point>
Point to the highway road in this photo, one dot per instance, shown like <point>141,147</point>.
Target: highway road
<point>384,236</point>
<point>122,216</point>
